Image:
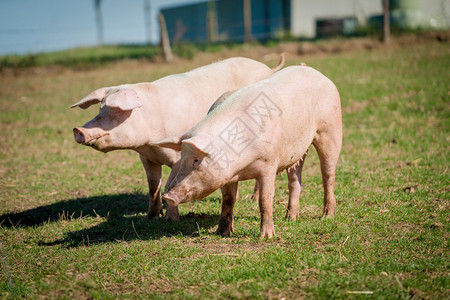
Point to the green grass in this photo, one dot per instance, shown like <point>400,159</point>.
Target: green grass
<point>91,57</point>
<point>74,226</point>
<point>87,57</point>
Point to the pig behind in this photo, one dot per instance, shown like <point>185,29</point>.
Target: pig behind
<point>256,132</point>
<point>134,116</point>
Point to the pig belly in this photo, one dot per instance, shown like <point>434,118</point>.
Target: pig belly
<point>299,128</point>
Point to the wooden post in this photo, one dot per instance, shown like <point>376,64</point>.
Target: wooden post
<point>247,6</point>
<point>148,21</point>
<point>211,22</point>
<point>386,23</point>
<point>165,43</point>
<point>99,21</point>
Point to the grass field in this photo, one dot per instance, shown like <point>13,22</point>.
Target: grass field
<point>73,220</point>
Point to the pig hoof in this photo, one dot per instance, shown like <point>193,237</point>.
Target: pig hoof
<point>292,216</point>
<point>154,214</point>
<point>225,228</point>
<point>224,231</point>
<point>267,233</point>
<point>172,213</point>
<point>172,217</point>
<point>328,213</point>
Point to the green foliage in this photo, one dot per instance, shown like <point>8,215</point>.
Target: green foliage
<point>190,50</point>
<point>80,57</point>
<point>187,51</point>
<point>73,220</point>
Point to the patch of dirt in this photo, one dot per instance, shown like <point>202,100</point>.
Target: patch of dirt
<point>436,225</point>
<point>158,285</point>
<point>411,188</point>
<point>442,204</point>
<point>231,249</point>
<point>404,226</point>
<point>355,106</point>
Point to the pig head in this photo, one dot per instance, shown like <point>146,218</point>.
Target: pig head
<point>118,122</point>
<point>198,174</point>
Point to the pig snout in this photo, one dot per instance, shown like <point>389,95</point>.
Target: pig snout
<point>171,199</point>
<point>88,137</point>
<point>80,136</point>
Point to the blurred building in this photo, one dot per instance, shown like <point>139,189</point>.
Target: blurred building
<point>321,18</point>
<point>223,20</point>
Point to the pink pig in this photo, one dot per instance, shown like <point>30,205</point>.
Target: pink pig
<point>134,116</point>
<point>257,132</point>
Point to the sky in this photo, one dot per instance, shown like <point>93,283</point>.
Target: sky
<point>33,26</point>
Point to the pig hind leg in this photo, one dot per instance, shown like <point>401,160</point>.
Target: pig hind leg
<point>229,197</point>
<point>153,172</point>
<point>328,145</point>
<point>295,187</point>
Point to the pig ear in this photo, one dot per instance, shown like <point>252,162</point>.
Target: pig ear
<point>93,98</point>
<point>200,143</point>
<point>220,100</point>
<point>173,143</point>
<point>125,99</point>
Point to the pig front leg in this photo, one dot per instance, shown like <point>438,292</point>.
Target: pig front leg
<point>266,192</point>
<point>172,213</point>
<point>153,172</point>
<point>255,196</point>
<point>229,197</point>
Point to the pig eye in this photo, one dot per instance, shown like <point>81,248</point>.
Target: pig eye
<point>195,163</point>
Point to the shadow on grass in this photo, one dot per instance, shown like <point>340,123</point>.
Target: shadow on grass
<point>124,220</point>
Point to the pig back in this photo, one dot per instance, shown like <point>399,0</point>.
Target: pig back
<point>186,98</point>
<point>309,102</point>
<point>280,115</point>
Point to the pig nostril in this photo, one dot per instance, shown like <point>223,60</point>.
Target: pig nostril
<point>79,136</point>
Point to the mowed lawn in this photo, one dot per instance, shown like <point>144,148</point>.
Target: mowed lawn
<point>73,219</point>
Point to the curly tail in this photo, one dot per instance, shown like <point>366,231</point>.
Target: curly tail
<point>280,64</point>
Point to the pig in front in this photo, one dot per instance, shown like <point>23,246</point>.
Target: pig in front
<point>134,116</point>
<point>257,132</point>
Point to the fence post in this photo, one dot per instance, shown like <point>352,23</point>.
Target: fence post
<point>148,20</point>
<point>247,6</point>
<point>99,21</point>
<point>386,23</point>
<point>165,43</point>
<point>211,22</point>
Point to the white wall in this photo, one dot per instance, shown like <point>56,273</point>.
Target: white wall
<point>305,12</point>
